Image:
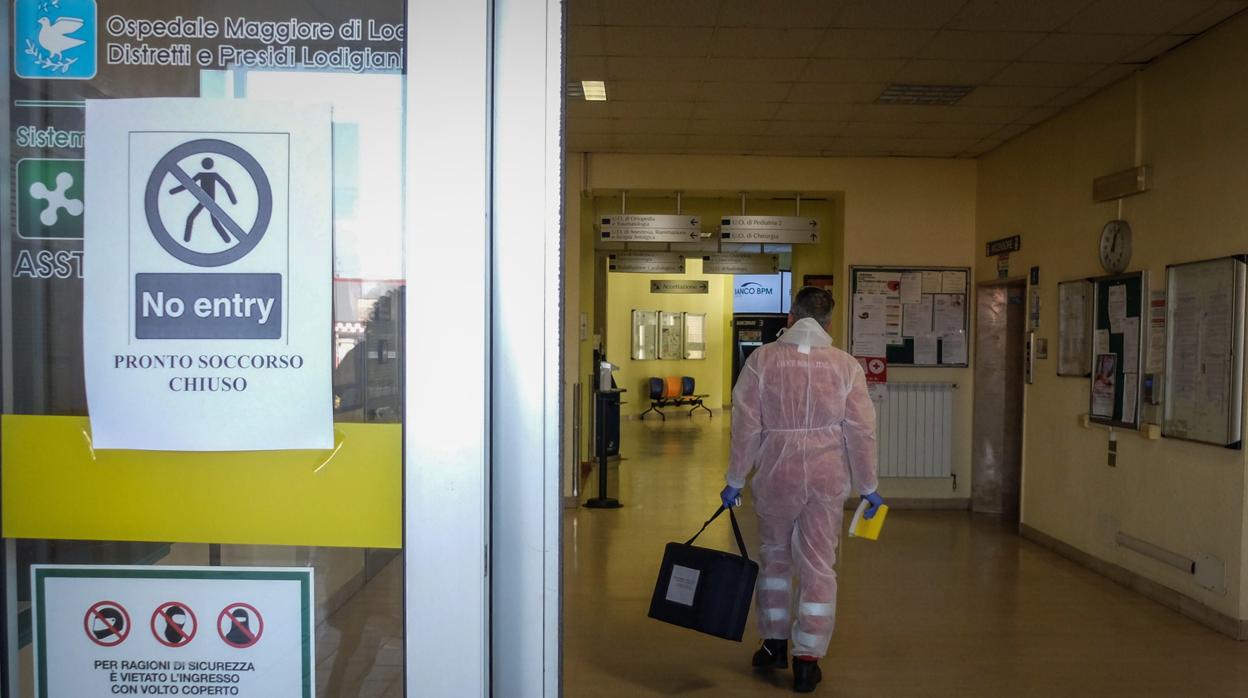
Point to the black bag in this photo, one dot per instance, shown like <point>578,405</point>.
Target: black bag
<point>703,589</point>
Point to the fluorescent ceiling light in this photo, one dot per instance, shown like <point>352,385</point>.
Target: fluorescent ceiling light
<point>594,90</point>
<point>924,94</point>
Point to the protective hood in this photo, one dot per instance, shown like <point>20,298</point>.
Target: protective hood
<point>806,333</point>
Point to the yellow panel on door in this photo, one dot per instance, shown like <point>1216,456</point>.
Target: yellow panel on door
<point>56,486</point>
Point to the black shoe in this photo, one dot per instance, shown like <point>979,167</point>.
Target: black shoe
<point>806,675</point>
<point>774,654</point>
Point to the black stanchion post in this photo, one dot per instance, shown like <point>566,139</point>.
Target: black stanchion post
<point>602,501</point>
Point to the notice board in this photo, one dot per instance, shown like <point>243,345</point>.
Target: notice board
<point>913,316</point>
<point>1203,394</point>
<point>1074,339</point>
<point>1117,338</point>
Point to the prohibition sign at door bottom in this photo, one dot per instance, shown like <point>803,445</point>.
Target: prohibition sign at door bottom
<point>106,623</point>
<point>168,630</point>
<point>246,240</point>
<point>240,625</point>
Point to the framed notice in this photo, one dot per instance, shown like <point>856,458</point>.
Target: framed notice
<point>1074,332</point>
<point>645,335</point>
<point>671,336</point>
<point>1204,367</point>
<point>695,336</point>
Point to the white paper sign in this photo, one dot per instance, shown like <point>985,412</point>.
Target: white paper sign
<point>143,630</point>
<point>683,585</point>
<point>207,286</point>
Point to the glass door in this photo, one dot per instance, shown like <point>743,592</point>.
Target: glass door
<point>203,493</point>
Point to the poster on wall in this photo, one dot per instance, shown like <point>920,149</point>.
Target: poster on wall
<point>187,631</point>
<point>207,295</point>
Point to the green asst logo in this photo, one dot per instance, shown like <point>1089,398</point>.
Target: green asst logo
<point>49,198</point>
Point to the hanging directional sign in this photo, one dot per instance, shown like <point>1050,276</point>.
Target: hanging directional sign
<point>647,263</point>
<point>787,229</point>
<point>740,263</point>
<point>650,227</point>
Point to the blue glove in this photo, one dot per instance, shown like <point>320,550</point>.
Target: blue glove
<point>875,500</point>
<point>730,496</point>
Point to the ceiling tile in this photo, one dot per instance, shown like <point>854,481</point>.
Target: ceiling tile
<point>932,147</point>
<point>655,68</point>
<point>835,93</point>
<point>864,146</point>
<point>581,12</point>
<point>791,145</point>
<point>1154,48</point>
<point>646,91</point>
<point>585,41</point>
<point>649,110</point>
<point>712,142</point>
<point>734,91</point>
<point>814,112</point>
<point>851,70</point>
<point>790,13</point>
<point>1085,48</point>
<point>1073,96</point>
<point>923,72</point>
<point>657,41</point>
<point>863,129</point>
<point>588,125</point>
<point>873,43</point>
<point>1016,15</point>
<point>936,114</point>
<point>951,130</point>
<point>805,128</point>
<point>1046,74</point>
<point>1136,16</point>
<point>644,125</point>
<point>660,13</point>
<point>586,68</point>
<point>765,43</point>
<point>742,109</point>
<point>734,127</point>
<point>1009,96</point>
<point>1204,20</point>
<point>656,142</point>
<point>897,14</point>
<point>958,45</point>
<point>591,143</point>
<point>1039,115</point>
<point>754,69</point>
<point>1011,131</point>
<point>1110,75</point>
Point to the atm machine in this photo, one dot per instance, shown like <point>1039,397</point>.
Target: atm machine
<point>751,331</point>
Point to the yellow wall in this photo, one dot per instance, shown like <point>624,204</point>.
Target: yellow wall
<point>894,211</point>
<point>627,292</point>
<point>1190,112</point>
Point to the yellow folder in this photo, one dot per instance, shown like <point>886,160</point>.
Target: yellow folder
<point>862,527</point>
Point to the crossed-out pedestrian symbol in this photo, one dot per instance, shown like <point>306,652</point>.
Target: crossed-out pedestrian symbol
<point>206,186</point>
<point>174,624</point>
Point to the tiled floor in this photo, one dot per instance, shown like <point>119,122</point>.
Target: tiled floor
<point>359,648</point>
<point>946,604</point>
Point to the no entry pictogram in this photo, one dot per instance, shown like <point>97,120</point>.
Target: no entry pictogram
<point>106,623</point>
<point>202,187</point>
<point>174,624</point>
<point>240,625</point>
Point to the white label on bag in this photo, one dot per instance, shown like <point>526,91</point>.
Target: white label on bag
<point>683,585</point>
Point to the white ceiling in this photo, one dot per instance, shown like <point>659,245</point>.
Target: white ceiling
<point>800,77</point>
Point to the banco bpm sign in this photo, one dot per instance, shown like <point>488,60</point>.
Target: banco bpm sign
<point>207,288</point>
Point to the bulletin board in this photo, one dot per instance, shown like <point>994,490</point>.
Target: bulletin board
<point>914,316</point>
<point>1117,349</point>
<point>1203,396</point>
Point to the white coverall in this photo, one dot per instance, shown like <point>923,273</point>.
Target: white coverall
<point>801,414</point>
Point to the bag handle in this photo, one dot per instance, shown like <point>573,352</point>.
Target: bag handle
<point>736,530</point>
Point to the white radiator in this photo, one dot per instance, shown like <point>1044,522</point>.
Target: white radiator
<point>914,430</point>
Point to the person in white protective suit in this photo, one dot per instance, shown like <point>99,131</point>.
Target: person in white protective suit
<point>802,416</point>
